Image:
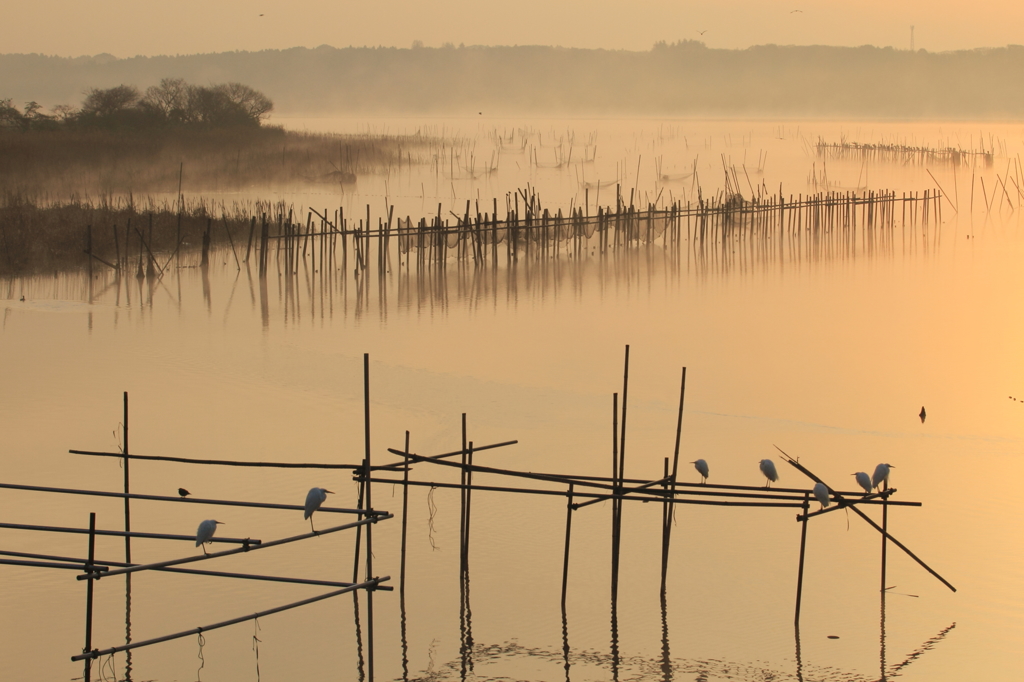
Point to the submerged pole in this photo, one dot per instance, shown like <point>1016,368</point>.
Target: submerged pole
<point>87,672</point>
<point>670,510</point>
<point>885,536</point>
<point>568,535</point>
<point>127,545</point>
<point>405,516</point>
<point>666,520</point>
<point>615,500</point>
<point>369,509</point>
<point>127,491</point>
<point>800,570</point>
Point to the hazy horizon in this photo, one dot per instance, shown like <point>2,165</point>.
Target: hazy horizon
<point>424,45</point>
<point>190,27</point>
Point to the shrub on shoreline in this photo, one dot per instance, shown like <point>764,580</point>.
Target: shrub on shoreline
<point>172,104</point>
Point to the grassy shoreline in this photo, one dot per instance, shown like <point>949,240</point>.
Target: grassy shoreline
<point>70,163</point>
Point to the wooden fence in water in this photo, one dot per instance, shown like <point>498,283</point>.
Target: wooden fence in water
<point>902,154</point>
<point>533,232</point>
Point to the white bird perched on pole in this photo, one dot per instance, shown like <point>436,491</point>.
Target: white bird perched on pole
<point>768,469</point>
<point>820,492</point>
<point>702,468</point>
<point>205,532</point>
<point>863,480</point>
<point>314,498</point>
<point>881,475</point>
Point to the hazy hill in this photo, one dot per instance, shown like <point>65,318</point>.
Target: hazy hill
<point>685,79</point>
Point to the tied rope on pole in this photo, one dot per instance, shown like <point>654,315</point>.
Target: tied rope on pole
<point>202,661</point>
<point>256,645</point>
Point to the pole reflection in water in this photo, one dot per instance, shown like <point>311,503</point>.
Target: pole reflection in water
<point>615,661</point>
<point>666,654</point>
<point>799,655</point>
<point>920,651</point>
<point>205,272</point>
<point>264,303</point>
<point>360,661</point>
<point>881,640</point>
<point>128,626</point>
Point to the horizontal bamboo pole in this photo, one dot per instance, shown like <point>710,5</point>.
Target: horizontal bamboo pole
<point>79,564</point>
<point>217,462</point>
<point>842,503</point>
<point>247,576</point>
<point>399,466</point>
<point>96,653</point>
<point>697,489</point>
<point>121,534</point>
<point>560,493</point>
<point>50,564</point>
<point>229,552</point>
<point>187,500</point>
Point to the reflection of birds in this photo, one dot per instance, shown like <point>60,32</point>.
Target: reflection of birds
<point>183,492</point>
<point>923,415</point>
<point>314,498</point>
<point>863,480</point>
<point>881,475</point>
<point>820,492</point>
<point>702,468</point>
<point>205,532</point>
<point>768,469</point>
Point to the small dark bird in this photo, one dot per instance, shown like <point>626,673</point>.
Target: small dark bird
<point>793,12</point>
<point>923,415</point>
<point>702,32</point>
<point>22,298</point>
<point>184,493</point>
<point>261,15</point>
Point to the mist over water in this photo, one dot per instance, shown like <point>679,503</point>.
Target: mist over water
<point>828,353</point>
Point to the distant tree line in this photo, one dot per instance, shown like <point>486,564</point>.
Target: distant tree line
<point>173,103</point>
<point>685,78</point>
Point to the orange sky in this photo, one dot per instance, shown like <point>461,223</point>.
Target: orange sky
<point>128,27</point>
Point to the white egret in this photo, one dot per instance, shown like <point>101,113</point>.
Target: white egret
<point>314,498</point>
<point>863,480</point>
<point>821,494</point>
<point>702,468</point>
<point>768,469</point>
<point>881,475</point>
<point>205,532</point>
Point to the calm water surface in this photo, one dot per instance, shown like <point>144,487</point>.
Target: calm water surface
<point>829,358</point>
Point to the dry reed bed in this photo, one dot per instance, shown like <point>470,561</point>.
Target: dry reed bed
<point>41,238</point>
<point>48,165</point>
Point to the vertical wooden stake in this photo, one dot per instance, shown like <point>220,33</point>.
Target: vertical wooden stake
<point>87,672</point>
<point>405,515</point>
<point>568,534</point>
<point>127,540</point>
<point>800,571</point>
<point>369,526</point>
